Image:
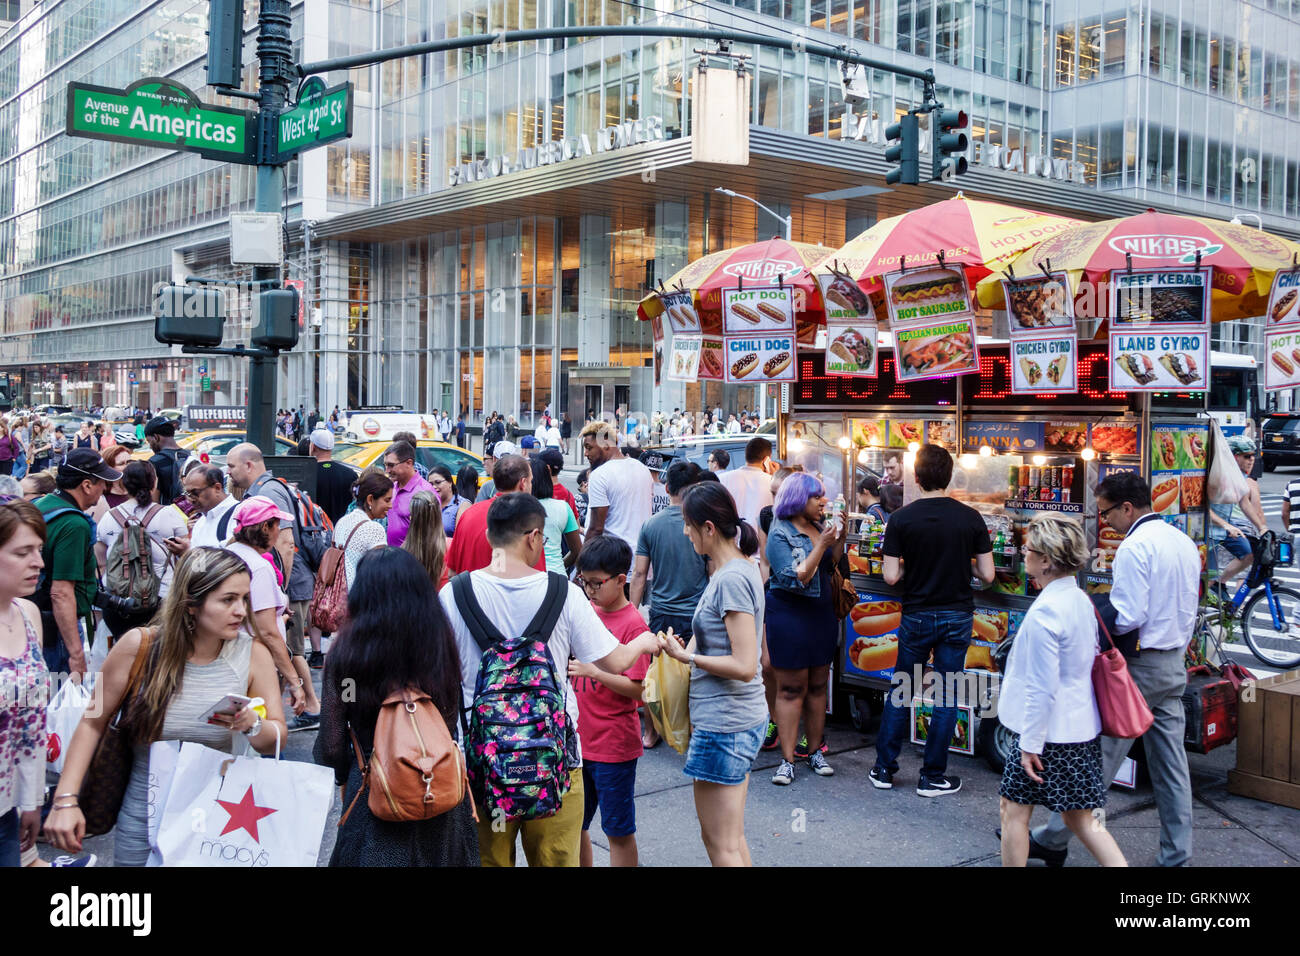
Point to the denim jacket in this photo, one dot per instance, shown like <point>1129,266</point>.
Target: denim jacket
<point>787,547</point>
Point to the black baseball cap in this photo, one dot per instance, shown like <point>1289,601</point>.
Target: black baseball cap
<point>553,457</point>
<point>88,463</point>
<point>160,426</point>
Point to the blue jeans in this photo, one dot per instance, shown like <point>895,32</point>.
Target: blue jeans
<point>9,852</point>
<point>947,633</point>
<point>682,625</point>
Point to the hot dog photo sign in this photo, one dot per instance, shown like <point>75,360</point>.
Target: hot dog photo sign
<point>760,358</point>
<point>1284,300</point>
<point>757,311</point>
<point>1282,370</point>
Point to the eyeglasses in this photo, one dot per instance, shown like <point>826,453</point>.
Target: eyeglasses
<point>1106,511</point>
<point>1025,549</point>
<point>593,586</point>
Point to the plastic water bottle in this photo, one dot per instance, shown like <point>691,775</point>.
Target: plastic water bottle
<point>837,512</point>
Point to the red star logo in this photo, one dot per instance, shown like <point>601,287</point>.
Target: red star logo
<point>244,814</point>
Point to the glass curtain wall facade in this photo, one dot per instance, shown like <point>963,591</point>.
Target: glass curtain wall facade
<point>1191,103</point>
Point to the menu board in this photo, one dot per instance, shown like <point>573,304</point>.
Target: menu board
<point>1284,300</point>
<point>851,349</point>
<point>1044,363</point>
<point>1159,298</point>
<point>760,359</point>
<point>921,296</point>
<point>1282,370</point>
<point>871,635</point>
<point>1160,361</point>
<point>679,307</point>
<point>713,364</point>
<point>1003,436</point>
<point>935,351</point>
<point>684,361</point>
<point>1116,437</point>
<point>750,312</point>
<point>1036,303</point>
<point>1178,459</point>
<point>900,432</point>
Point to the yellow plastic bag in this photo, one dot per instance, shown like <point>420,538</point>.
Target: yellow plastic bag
<point>666,692</point>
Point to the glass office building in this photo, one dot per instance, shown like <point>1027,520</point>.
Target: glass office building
<point>483,238</point>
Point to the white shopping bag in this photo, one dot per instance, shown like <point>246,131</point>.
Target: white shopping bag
<point>228,811</point>
<point>163,756</point>
<point>99,648</point>
<point>61,718</point>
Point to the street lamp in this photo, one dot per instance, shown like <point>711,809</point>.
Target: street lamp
<point>786,221</point>
<point>1236,220</point>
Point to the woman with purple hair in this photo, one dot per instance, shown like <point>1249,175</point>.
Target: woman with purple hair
<point>802,549</point>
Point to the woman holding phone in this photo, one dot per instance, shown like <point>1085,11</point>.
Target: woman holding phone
<point>197,652</point>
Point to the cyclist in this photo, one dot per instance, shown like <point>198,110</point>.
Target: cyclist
<point>1230,523</point>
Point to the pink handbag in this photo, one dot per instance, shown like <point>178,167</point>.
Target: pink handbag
<point>1124,711</point>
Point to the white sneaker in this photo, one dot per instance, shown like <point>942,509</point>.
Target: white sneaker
<point>784,775</point>
<point>817,761</point>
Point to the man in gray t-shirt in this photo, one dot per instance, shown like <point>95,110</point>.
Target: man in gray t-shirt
<point>679,573</point>
<point>718,704</point>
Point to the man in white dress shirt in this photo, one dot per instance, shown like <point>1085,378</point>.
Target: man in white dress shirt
<point>751,485</point>
<point>205,486</point>
<point>1156,583</point>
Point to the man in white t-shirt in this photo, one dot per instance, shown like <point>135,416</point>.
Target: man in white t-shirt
<point>620,491</point>
<point>510,593</point>
<point>751,485</point>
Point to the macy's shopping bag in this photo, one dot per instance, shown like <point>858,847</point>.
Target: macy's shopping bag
<point>228,811</point>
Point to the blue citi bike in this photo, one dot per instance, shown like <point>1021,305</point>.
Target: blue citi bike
<point>1267,611</point>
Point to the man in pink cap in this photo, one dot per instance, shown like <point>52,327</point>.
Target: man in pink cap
<point>255,530</point>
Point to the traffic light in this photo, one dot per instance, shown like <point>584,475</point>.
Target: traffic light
<point>225,42</point>
<point>906,151</point>
<point>948,157</point>
<point>276,319</point>
<point>188,315</point>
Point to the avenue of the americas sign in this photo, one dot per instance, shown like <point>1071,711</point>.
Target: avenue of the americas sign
<point>158,112</point>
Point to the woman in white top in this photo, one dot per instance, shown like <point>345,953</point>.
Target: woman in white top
<point>360,530</point>
<point>139,481</point>
<point>1047,701</point>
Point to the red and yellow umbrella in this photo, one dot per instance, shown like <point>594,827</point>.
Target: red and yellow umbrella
<point>969,232</point>
<point>757,264</point>
<point>1244,258</point>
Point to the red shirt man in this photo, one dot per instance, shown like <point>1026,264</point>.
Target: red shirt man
<point>470,550</point>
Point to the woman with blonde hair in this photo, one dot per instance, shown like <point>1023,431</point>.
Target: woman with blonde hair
<point>1047,700</point>
<point>196,651</point>
<point>426,539</point>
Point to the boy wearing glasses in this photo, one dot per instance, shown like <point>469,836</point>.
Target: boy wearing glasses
<point>1230,523</point>
<point>608,724</point>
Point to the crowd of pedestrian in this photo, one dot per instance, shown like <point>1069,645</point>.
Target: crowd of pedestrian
<point>460,589</point>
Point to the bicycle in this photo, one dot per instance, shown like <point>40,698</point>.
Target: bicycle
<point>1269,612</point>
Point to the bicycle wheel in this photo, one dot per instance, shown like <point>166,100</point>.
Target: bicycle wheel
<point>1213,628</point>
<point>1276,646</point>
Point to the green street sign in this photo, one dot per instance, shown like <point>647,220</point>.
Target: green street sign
<point>158,112</point>
<point>206,383</point>
<point>320,116</point>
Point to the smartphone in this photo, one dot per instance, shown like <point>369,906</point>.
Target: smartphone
<point>229,705</point>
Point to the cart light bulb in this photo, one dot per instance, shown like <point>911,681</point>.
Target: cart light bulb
<point>967,461</point>
<point>862,456</point>
<point>914,447</point>
<point>986,451</point>
<point>796,445</point>
<point>845,442</point>
<point>909,459</point>
<point>1040,460</point>
<point>1088,454</point>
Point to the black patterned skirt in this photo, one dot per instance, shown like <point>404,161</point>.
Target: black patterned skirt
<point>1071,777</point>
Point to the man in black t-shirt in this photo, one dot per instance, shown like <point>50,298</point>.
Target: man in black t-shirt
<point>929,547</point>
<point>334,479</point>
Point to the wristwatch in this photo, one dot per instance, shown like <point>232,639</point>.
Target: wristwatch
<point>691,660</point>
<point>256,729</point>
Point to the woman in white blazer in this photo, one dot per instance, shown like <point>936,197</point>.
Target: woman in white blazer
<point>1047,701</point>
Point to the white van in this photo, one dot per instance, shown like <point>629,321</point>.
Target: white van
<point>382,423</point>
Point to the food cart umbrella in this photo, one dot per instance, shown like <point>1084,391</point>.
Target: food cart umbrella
<point>1244,258</point>
<point>972,233</point>
<point>757,264</point>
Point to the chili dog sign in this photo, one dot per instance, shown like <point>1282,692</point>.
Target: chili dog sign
<point>1159,361</point>
<point>757,311</point>
<point>759,359</point>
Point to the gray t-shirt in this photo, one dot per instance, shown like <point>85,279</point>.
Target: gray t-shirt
<point>679,573</point>
<point>719,704</point>
<point>487,492</point>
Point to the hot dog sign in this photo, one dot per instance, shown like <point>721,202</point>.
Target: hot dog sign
<point>1282,370</point>
<point>757,311</point>
<point>1159,361</point>
<point>760,359</point>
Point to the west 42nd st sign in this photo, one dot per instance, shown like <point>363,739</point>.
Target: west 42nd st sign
<point>321,116</point>
<point>158,112</point>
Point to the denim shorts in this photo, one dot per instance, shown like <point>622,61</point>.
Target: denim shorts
<point>609,786</point>
<point>723,758</point>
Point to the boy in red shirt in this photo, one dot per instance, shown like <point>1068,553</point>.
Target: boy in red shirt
<point>608,725</point>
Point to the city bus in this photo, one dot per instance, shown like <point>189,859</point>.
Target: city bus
<point>1234,391</point>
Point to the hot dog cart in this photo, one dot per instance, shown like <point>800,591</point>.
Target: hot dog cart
<point>1017,455</point>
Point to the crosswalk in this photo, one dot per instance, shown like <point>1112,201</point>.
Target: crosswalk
<point>1289,576</point>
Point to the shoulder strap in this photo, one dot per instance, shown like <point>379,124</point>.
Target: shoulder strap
<point>348,540</point>
<point>481,629</point>
<point>223,524</point>
<point>120,517</point>
<point>543,623</point>
<point>150,514</point>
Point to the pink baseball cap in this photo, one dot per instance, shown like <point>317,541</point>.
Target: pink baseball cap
<point>256,510</point>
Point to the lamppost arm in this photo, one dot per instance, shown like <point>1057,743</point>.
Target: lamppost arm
<point>786,221</point>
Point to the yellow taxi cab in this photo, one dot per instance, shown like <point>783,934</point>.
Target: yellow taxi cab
<point>211,445</point>
<point>362,455</point>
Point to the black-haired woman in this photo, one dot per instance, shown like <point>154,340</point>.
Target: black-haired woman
<point>139,480</point>
<point>466,488</point>
<point>561,525</point>
<point>198,652</point>
<point>397,636</point>
<point>728,709</point>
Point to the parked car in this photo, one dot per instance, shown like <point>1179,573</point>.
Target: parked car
<point>698,448</point>
<point>361,455</point>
